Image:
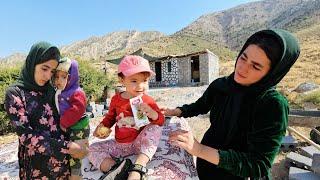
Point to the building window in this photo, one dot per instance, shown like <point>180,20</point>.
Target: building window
<point>169,66</point>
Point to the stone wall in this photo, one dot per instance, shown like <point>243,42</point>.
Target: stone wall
<point>153,78</point>
<point>203,67</point>
<point>181,70</point>
<point>168,78</point>
<point>213,67</point>
<point>184,73</point>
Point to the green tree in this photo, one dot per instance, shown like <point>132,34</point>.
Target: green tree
<point>93,80</point>
<point>8,75</point>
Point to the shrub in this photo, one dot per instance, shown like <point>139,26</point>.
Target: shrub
<point>7,76</point>
<point>313,97</point>
<point>93,80</point>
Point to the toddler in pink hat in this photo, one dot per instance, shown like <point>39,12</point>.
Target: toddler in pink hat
<point>127,111</point>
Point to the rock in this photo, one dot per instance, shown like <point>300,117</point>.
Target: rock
<point>315,137</point>
<point>297,160</point>
<point>308,151</point>
<point>316,163</point>
<point>288,143</point>
<point>305,87</point>
<point>298,174</point>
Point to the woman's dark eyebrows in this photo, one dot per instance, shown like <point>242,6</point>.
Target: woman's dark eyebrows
<point>46,66</point>
<point>257,64</point>
<point>245,55</point>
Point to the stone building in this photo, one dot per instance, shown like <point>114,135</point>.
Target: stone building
<point>199,68</point>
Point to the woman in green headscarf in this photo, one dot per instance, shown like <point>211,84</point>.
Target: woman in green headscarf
<point>43,149</point>
<point>248,115</point>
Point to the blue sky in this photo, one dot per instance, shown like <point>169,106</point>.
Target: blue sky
<point>62,22</point>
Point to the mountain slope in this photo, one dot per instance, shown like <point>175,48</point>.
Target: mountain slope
<point>231,27</point>
<point>177,45</point>
<point>98,47</point>
<point>13,59</point>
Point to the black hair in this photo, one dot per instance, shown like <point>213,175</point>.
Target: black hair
<point>270,45</point>
<point>51,53</point>
<point>121,75</point>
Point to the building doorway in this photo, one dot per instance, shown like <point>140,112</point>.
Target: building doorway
<point>195,72</point>
<point>158,71</point>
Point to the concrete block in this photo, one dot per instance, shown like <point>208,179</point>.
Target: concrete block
<point>104,112</point>
<point>299,161</point>
<point>89,108</point>
<point>93,106</point>
<point>301,174</point>
<point>97,114</point>
<point>289,143</point>
<point>316,163</point>
<point>309,151</point>
<point>89,114</point>
<point>99,107</point>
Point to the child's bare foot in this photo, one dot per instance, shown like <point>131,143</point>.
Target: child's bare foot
<point>106,164</point>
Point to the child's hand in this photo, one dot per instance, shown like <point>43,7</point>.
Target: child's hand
<point>79,148</point>
<point>63,129</point>
<point>148,111</point>
<point>101,131</point>
<point>171,112</point>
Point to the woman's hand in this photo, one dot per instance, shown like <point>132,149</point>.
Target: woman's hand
<point>184,139</point>
<point>101,131</point>
<point>171,112</point>
<point>148,111</point>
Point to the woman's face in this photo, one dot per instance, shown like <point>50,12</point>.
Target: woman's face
<point>44,71</point>
<point>252,66</point>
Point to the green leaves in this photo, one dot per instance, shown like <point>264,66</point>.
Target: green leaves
<point>8,75</point>
<point>93,79</point>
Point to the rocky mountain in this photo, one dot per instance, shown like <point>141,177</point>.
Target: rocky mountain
<point>99,47</point>
<point>231,27</point>
<point>13,59</point>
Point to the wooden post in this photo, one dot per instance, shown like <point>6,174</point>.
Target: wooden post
<point>290,129</point>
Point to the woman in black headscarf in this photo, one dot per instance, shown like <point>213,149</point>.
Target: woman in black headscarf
<point>248,115</point>
<point>43,149</point>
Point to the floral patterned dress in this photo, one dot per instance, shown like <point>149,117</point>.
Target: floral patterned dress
<point>42,146</point>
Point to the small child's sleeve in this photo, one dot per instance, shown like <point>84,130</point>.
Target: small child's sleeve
<point>154,106</point>
<point>77,108</point>
<point>110,118</point>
